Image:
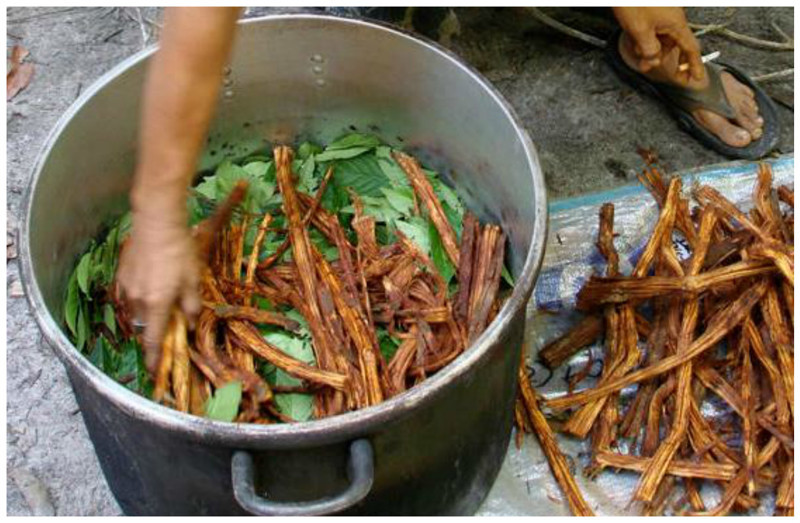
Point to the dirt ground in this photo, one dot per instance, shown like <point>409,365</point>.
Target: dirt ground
<point>584,121</point>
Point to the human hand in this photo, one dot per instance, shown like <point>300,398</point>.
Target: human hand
<point>655,31</point>
<point>158,269</point>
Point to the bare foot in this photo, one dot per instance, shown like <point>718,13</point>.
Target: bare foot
<point>747,125</point>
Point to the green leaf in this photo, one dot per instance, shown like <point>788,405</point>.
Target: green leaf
<point>341,154</point>
<point>297,348</point>
<point>390,167</point>
<point>227,175</point>
<point>362,175</point>
<point>506,274</point>
<point>439,255</point>
<point>72,303</point>
<point>297,406</point>
<point>354,140</point>
<point>109,318</point>
<point>130,369</point>
<point>102,356</point>
<point>224,404</point>
<point>401,198</point>
<point>417,230</point>
<point>327,249</point>
<point>307,149</point>
<point>82,327</point>
<point>241,145</point>
<point>208,188</point>
<point>257,169</point>
<point>308,181</point>
<point>83,270</point>
<point>294,314</point>
<point>388,344</point>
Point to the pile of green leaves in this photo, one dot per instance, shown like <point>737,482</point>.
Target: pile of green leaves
<point>361,163</point>
<point>90,317</point>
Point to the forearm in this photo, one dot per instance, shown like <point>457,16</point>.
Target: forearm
<point>179,99</point>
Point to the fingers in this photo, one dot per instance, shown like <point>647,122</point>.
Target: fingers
<point>156,318</point>
<point>690,50</point>
<point>191,304</point>
<point>647,48</point>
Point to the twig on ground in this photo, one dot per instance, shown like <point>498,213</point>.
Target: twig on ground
<point>567,30</point>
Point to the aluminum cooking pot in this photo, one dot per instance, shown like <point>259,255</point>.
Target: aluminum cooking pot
<point>437,448</point>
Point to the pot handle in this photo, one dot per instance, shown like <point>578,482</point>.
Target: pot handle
<point>360,472</point>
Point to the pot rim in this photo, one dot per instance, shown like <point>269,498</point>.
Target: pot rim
<point>340,427</point>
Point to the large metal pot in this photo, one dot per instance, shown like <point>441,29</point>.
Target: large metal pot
<point>435,449</point>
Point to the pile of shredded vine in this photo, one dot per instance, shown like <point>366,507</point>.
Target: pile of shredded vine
<point>333,279</point>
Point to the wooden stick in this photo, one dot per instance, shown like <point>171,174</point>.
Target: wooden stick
<point>180,363</point>
<point>677,467</point>
<point>718,327</point>
<point>424,189</point>
<point>557,461</point>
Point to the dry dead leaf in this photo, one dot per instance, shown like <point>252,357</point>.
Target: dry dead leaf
<point>19,73</point>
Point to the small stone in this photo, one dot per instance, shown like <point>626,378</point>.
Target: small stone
<point>15,290</point>
<point>34,491</point>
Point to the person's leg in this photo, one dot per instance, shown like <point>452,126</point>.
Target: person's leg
<point>737,132</point>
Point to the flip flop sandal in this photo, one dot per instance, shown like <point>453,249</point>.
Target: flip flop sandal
<point>681,102</point>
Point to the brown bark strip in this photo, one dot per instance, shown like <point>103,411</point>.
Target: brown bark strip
<point>662,230</point>
<point>785,496</point>
<point>622,343</point>
<point>161,384</point>
<point>365,228</point>
<point>605,240</point>
<point>439,314</point>
<point>180,363</point>
<point>401,362</point>
<point>783,412</point>
<point>252,314</point>
<point>237,238</point>
<point>252,262</point>
<point>732,490</point>
<point>199,391</point>
<point>489,252</point>
<point>749,425</point>
<point>248,336</point>
<point>424,189</point>
<point>717,328</point>
<point>312,209</point>
<point>782,260</point>
<point>310,212</point>
<point>557,461</point>
<point>206,232</point>
<point>324,348</point>
<point>786,195</point>
<point>357,327</point>
<point>621,289</point>
<point>782,340</point>
<point>653,181</point>
<point>677,467</point>
<point>218,371</point>
<point>652,425</point>
<point>652,476</point>
<point>711,196</point>
<point>580,423</point>
<point>583,334</point>
<point>470,230</point>
<point>716,383</point>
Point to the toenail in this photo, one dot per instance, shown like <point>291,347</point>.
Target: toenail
<point>760,121</point>
<point>742,135</point>
<point>757,134</point>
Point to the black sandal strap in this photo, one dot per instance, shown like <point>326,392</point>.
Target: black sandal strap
<point>712,98</point>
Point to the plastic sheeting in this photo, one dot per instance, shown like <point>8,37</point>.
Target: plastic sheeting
<point>525,485</point>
